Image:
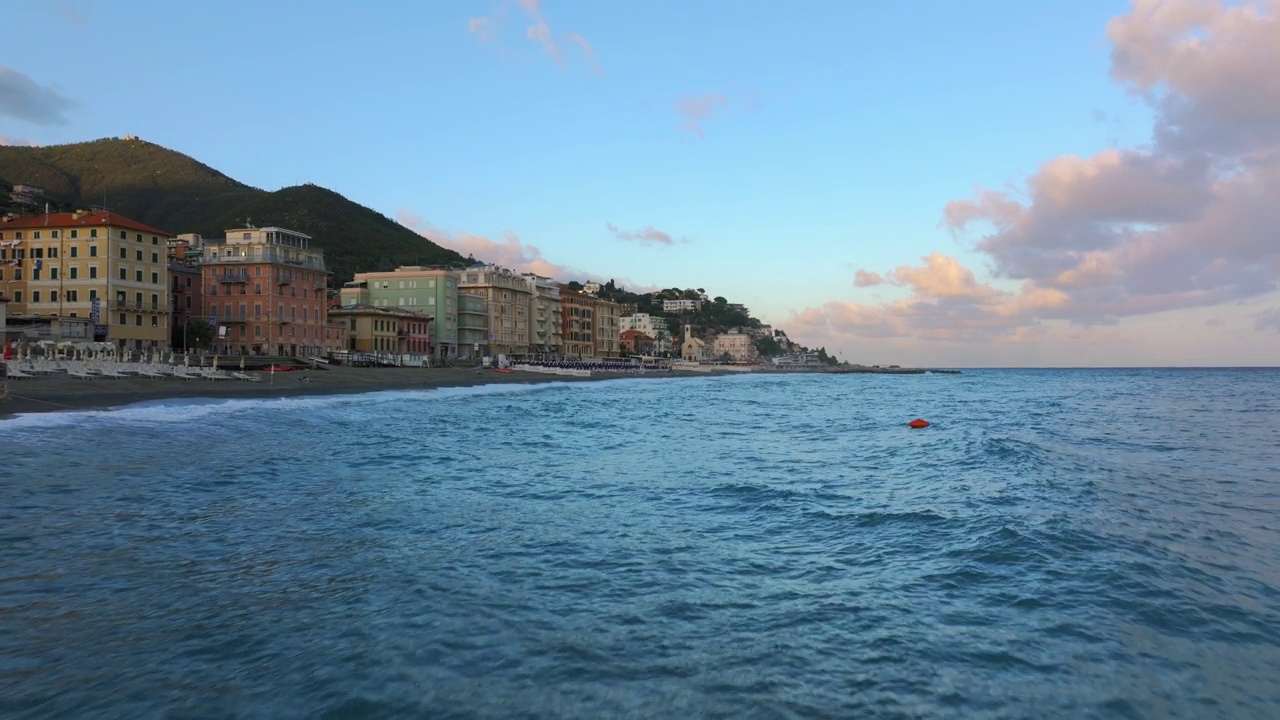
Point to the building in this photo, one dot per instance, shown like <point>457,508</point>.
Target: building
<point>692,349</point>
<point>185,284</point>
<point>635,342</point>
<point>506,297</point>
<point>100,266</point>
<point>577,323</point>
<point>592,288</point>
<point>682,305</point>
<point>735,346</point>
<point>608,335</point>
<point>652,325</point>
<point>473,326</point>
<point>385,331</point>
<point>429,290</point>
<point>267,290</point>
<point>544,315</point>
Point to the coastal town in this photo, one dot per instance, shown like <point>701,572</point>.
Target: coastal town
<point>95,280</point>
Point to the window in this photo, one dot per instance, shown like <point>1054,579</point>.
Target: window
<point>124,254</point>
<point>75,251</point>
<point>137,275</point>
<point>258,271</point>
<point>137,320</point>
<point>93,233</point>
<point>93,272</point>
<point>138,237</point>
<point>75,234</point>
<point>188,302</point>
<point>155,240</point>
<point>93,251</point>
<point>73,296</point>
<point>53,296</point>
<point>17,235</point>
<point>35,296</point>
<point>155,278</point>
<point>93,294</point>
<point>257,288</point>
<point>17,296</point>
<point>124,235</point>
<point>124,274</point>
<point>257,331</point>
<point>35,235</point>
<point>155,257</point>
<point>155,321</point>
<point>53,252</point>
<point>55,234</point>
<point>37,252</point>
<point>35,273</point>
<point>124,320</point>
<point>53,273</point>
<point>138,255</point>
<point>155,301</point>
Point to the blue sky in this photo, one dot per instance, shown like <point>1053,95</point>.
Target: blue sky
<point>836,132</point>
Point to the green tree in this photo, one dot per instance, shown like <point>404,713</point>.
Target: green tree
<point>768,347</point>
<point>198,334</point>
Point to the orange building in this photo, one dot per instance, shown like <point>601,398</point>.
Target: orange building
<point>267,290</point>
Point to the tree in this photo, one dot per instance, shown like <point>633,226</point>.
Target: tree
<point>720,300</point>
<point>768,347</point>
<point>198,333</point>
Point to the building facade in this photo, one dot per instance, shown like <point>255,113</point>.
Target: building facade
<point>608,331</point>
<point>544,315</point>
<point>577,323</point>
<point>97,265</point>
<point>635,342</point>
<point>506,299</point>
<point>185,285</point>
<point>384,331</point>
<point>682,305</point>
<point>655,326</point>
<point>267,290</point>
<point>736,346</point>
<point>429,290</point>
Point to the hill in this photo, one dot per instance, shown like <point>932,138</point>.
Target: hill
<point>179,194</point>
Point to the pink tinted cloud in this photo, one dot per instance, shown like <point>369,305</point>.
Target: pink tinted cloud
<point>865,278</point>
<point>540,33</point>
<point>588,52</point>
<point>4,140</point>
<point>648,236</point>
<point>482,28</point>
<point>694,110</point>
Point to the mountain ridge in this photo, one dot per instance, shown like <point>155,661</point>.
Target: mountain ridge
<point>179,194</point>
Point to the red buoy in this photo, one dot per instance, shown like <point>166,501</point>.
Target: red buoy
<point>918,423</point>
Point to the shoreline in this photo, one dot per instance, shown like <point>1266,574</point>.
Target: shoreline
<point>62,393</point>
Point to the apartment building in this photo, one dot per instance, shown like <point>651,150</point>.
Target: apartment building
<point>635,342</point>
<point>185,284</point>
<point>429,290</point>
<point>654,326</point>
<point>577,323</point>
<point>736,346</point>
<point>385,331</point>
<point>680,306</point>
<point>94,265</point>
<point>544,315</point>
<point>267,290</point>
<point>506,297</point>
<point>608,331</point>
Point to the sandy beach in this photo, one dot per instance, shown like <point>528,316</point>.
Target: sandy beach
<point>53,393</point>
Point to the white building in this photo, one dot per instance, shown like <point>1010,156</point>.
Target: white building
<point>736,345</point>
<point>654,327</point>
<point>675,306</point>
<point>592,288</point>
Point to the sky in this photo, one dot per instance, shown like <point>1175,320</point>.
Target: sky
<point>988,184</point>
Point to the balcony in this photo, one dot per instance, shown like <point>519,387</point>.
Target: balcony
<point>134,305</point>
<point>233,320</point>
<point>285,280</point>
<point>237,277</point>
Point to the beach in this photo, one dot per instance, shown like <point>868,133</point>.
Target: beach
<point>59,392</point>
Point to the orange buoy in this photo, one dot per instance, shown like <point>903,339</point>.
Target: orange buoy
<point>918,423</point>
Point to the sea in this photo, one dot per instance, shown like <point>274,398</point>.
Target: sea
<point>1057,544</point>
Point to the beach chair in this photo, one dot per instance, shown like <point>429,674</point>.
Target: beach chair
<point>245,376</point>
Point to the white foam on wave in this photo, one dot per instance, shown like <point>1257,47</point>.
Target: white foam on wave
<point>176,411</point>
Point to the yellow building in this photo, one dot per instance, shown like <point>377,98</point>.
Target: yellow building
<point>96,265</point>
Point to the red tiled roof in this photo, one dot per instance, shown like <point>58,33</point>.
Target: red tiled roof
<point>69,220</point>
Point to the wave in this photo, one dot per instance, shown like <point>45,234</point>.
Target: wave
<point>171,410</point>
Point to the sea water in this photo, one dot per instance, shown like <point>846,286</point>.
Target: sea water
<point>1058,544</point>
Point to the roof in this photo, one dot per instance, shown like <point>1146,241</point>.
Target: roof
<point>69,220</point>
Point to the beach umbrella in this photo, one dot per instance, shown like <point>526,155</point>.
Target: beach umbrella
<point>186,360</point>
<point>241,363</point>
<point>215,362</point>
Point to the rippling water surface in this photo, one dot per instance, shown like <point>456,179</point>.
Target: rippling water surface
<point>1059,544</point>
